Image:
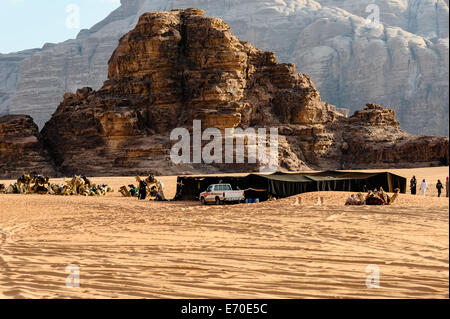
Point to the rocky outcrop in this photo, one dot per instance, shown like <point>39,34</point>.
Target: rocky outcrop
<point>180,66</point>
<point>20,148</point>
<point>174,67</point>
<point>373,138</point>
<point>403,64</point>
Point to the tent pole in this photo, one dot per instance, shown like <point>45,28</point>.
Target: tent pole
<point>389,178</point>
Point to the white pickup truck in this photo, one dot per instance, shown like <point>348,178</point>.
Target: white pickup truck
<point>221,193</point>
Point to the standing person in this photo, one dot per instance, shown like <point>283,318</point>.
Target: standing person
<point>413,185</point>
<point>439,187</point>
<point>424,187</point>
<point>446,187</point>
<point>142,190</point>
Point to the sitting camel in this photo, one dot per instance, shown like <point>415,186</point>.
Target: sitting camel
<point>94,190</point>
<point>40,183</point>
<point>373,198</point>
<point>124,191</point>
<point>62,190</point>
<point>12,189</point>
<point>87,181</point>
<point>80,185</point>
<point>76,186</point>
<point>104,188</point>
<point>356,200</point>
<point>380,198</point>
<point>55,189</point>
<point>131,192</point>
<point>24,183</point>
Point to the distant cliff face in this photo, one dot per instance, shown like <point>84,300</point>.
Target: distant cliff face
<point>403,64</point>
<point>425,18</point>
<point>180,66</point>
<point>9,77</point>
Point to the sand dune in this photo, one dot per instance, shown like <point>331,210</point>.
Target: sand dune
<point>290,248</point>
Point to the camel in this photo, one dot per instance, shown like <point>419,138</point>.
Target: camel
<point>131,192</point>
<point>62,190</point>
<point>124,191</point>
<point>39,184</point>
<point>24,183</point>
<point>373,198</point>
<point>380,198</point>
<point>55,189</point>
<point>87,181</point>
<point>12,189</point>
<point>80,185</point>
<point>95,191</point>
<point>83,190</point>
<point>106,189</point>
<point>357,200</point>
<point>76,185</point>
<point>361,198</point>
<point>394,197</point>
<point>92,189</point>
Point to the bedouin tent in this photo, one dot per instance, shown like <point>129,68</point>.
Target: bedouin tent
<point>282,185</point>
<point>190,187</point>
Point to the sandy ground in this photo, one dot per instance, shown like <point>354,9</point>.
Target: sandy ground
<point>291,248</point>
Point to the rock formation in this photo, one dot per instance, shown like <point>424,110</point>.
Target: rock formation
<point>374,138</point>
<point>20,148</point>
<point>180,66</point>
<point>402,64</point>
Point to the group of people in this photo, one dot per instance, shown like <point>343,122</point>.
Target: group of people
<point>424,186</point>
<point>148,187</point>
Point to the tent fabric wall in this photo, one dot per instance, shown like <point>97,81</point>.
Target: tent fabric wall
<point>288,184</point>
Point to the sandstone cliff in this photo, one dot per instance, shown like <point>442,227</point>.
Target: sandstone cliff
<point>403,64</point>
<point>374,138</point>
<point>178,66</point>
<point>20,148</point>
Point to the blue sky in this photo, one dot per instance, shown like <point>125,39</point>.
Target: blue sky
<point>27,24</point>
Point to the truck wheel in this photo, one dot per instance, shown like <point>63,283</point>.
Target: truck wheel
<point>202,200</point>
<point>218,201</point>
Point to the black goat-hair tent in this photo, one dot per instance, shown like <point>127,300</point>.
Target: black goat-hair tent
<point>282,185</point>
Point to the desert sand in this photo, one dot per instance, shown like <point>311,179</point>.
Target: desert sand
<point>290,248</point>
